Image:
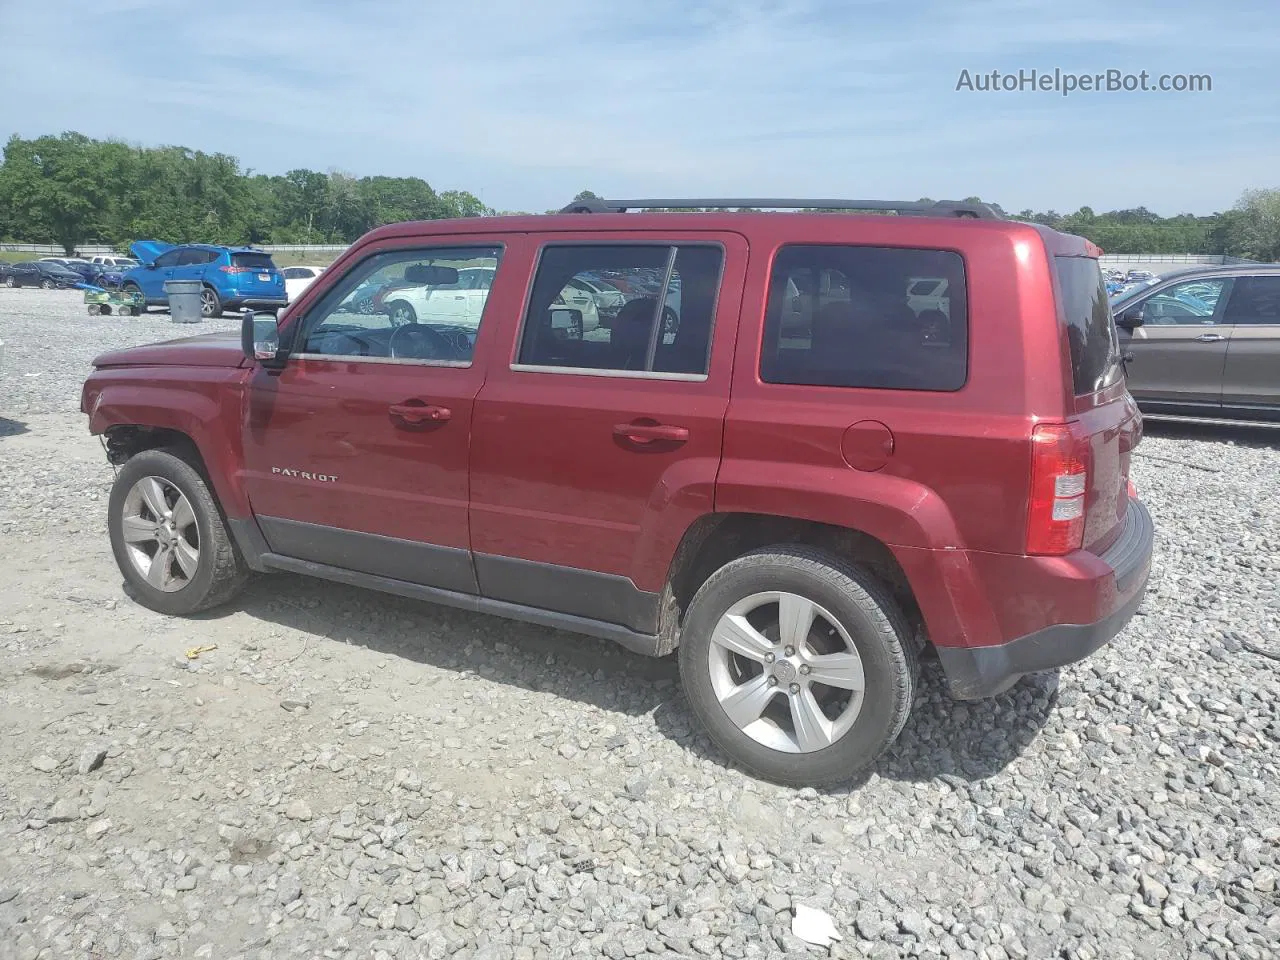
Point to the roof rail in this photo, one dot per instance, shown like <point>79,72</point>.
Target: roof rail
<point>937,208</point>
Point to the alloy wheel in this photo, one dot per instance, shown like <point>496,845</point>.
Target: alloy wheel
<point>785,672</point>
<point>161,535</point>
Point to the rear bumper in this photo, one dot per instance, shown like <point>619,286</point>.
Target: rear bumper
<point>977,672</point>
<point>257,303</point>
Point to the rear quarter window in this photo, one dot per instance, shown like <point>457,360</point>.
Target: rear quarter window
<point>841,316</point>
<point>1091,330</point>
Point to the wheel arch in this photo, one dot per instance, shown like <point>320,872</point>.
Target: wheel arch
<point>715,539</point>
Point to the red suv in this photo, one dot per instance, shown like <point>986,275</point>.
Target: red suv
<point>806,449</point>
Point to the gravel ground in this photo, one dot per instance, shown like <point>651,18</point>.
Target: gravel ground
<point>351,775</point>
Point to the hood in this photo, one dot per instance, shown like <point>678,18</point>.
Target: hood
<point>220,349</point>
<point>147,250</point>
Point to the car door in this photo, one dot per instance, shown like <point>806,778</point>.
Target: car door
<point>1179,345</point>
<point>355,453</point>
<point>1251,377</point>
<point>594,450</point>
<point>151,279</point>
<point>191,264</point>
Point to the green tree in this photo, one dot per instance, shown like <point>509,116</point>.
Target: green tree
<point>55,189</point>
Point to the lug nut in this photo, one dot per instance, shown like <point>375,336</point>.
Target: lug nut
<point>795,688</point>
<point>773,681</point>
<point>769,658</point>
<point>805,668</point>
<point>790,651</point>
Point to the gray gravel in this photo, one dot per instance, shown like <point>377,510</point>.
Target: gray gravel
<point>351,775</point>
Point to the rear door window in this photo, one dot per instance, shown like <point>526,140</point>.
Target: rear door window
<point>841,316</point>
<point>1254,300</point>
<point>1091,331</point>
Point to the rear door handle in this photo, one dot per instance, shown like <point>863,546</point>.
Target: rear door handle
<point>420,412</point>
<point>647,432</point>
<point>1210,337</point>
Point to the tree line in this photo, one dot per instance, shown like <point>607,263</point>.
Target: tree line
<point>70,189</point>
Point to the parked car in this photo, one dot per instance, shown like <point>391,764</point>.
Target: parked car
<point>1205,343</point>
<point>124,263</point>
<point>107,276</point>
<point>42,273</point>
<point>297,279</point>
<point>6,269</point>
<point>799,517</point>
<point>1139,276</point>
<point>230,277</point>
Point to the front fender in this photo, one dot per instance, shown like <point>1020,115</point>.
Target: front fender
<point>202,403</point>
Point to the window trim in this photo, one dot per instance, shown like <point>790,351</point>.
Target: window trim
<point>299,328</point>
<point>672,245</point>
<point>761,345</point>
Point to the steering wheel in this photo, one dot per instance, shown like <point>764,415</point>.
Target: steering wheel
<point>407,341</point>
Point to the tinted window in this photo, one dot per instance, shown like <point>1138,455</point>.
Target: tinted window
<point>169,258</point>
<point>1254,300</point>
<point>1095,346</point>
<point>404,306</point>
<point>189,257</point>
<point>254,261</point>
<point>597,308</point>
<point>841,316</point>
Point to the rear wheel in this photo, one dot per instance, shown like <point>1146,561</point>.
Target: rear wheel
<point>169,538</point>
<point>210,303</point>
<point>10,282</point>
<point>799,664</point>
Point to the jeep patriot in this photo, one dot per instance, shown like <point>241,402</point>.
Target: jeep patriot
<point>733,436</point>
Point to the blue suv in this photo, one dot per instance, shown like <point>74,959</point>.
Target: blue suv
<point>232,277</point>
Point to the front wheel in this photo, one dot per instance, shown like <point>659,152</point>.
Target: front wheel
<point>210,303</point>
<point>47,284</point>
<point>799,664</point>
<point>401,313</point>
<point>169,538</point>
<point>10,282</point>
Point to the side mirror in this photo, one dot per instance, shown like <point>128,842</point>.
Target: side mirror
<point>149,264</point>
<point>260,338</point>
<point>1130,318</point>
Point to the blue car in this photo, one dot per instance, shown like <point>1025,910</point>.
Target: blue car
<point>231,277</point>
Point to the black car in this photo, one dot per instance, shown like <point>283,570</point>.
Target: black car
<point>42,273</point>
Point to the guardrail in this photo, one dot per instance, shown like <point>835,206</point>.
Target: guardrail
<point>1185,258</point>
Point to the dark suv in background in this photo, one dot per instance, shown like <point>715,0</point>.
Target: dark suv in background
<point>1205,343</point>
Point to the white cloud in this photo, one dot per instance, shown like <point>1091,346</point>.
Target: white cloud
<point>535,101</point>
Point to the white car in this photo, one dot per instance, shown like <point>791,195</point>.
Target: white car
<point>297,279</point>
<point>459,303</point>
<point>124,263</point>
<point>928,293</point>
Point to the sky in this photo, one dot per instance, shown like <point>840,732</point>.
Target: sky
<point>526,102</point>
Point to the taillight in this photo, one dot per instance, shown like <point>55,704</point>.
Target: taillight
<point>1059,480</point>
<point>234,269</point>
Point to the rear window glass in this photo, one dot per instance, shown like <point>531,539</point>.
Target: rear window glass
<point>1095,345</point>
<point>846,316</point>
<point>255,261</point>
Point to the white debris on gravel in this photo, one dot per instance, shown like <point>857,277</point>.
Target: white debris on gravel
<point>447,785</point>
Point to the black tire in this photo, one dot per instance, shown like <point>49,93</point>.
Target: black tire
<point>210,303</point>
<point>10,282</point>
<point>400,313</point>
<point>47,284</point>
<point>220,571</point>
<point>866,610</point>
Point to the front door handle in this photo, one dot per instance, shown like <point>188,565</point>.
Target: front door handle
<point>648,432</point>
<point>1210,337</point>
<point>420,412</point>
